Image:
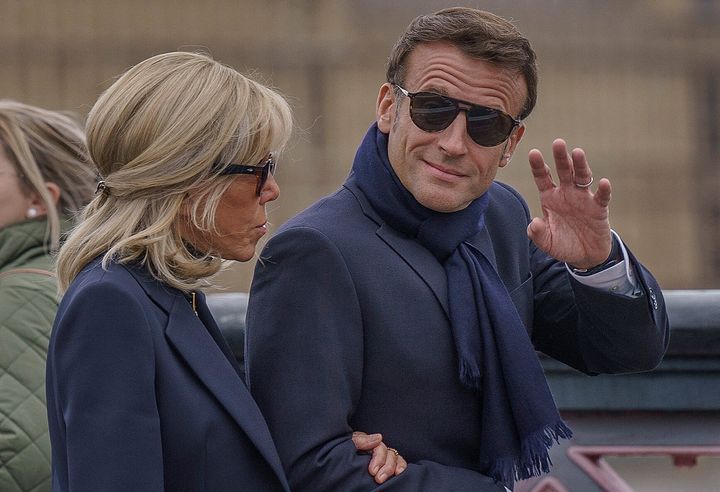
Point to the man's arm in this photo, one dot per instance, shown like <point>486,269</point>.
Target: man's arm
<point>305,370</point>
<point>591,329</point>
<point>596,330</point>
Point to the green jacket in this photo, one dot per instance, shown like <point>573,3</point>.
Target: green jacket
<point>28,301</point>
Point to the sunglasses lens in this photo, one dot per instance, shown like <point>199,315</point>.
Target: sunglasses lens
<point>432,112</point>
<point>487,127</point>
<point>265,171</point>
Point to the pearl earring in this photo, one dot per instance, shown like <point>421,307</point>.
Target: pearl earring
<point>32,213</point>
<point>508,157</point>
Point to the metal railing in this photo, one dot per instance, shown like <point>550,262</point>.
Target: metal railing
<point>673,411</point>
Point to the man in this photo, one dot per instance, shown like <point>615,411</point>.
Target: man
<point>411,301</point>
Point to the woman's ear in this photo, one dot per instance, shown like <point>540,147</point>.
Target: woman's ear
<point>37,204</point>
<point>54,191</point>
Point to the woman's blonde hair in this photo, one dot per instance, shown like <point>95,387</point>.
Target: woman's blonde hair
<point>48,146</point>
<point>155,136</point>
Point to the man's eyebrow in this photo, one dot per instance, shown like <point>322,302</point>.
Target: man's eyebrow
<point>436,90</point>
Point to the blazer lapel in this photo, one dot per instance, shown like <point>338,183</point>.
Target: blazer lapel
<point>193,342</point>
<point>415,255</point>
<point>420,260</point>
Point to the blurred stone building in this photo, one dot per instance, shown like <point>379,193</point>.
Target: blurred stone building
<point>635,83</point>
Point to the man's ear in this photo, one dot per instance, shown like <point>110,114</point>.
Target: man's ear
<point>385,107</point>
<point>515,138</point>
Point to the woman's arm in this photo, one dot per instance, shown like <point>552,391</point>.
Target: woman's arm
<point>101,392</point>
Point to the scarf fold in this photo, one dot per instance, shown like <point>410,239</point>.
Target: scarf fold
<point>495,355</point>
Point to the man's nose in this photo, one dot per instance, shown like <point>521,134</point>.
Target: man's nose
<point>453,140</point>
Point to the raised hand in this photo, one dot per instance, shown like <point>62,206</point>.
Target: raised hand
<point>574,227</point>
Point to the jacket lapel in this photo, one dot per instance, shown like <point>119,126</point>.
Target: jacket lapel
<point>187,334</point>
<point>482,242</point>
<point>415,255</point>
<point>420,260</point>
<point>193,342</point>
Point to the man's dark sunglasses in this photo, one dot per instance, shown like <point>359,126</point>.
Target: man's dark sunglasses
<point>432,112</point>
<point>265,168</point>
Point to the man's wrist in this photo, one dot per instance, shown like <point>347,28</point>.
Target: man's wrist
<point>615,257</point>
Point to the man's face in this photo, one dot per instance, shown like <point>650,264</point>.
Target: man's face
<point>447,170</point>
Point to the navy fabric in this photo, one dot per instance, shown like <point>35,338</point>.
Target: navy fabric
<point>348,328</point>
<point>143,395</point>
<point>520,420</point>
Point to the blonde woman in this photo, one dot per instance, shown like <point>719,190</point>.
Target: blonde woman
<point>44,180</point>
<point>143,392</point>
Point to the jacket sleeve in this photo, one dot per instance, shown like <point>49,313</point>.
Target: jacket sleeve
<point>305,370</point>
<point>102,370</point>
<point>592,330</point>
<point>597,331</point>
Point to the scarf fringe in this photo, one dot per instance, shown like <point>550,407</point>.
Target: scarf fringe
<point>534,459</point>
<point>470,375</point>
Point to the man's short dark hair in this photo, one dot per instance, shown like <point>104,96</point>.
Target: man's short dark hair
<point>477,33</point>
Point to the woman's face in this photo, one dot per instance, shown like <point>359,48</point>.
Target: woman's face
<point>240,219</point>
<point>14,203</point>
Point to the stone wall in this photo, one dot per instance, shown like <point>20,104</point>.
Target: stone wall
<point>637,84</point>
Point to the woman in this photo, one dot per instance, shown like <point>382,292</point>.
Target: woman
<point>143,392</point>
<point>44,179</point>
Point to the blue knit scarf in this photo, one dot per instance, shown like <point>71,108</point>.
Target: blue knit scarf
<point>496,357</point>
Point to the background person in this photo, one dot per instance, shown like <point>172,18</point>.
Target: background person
<point>416,300</point>
<point>44,180</point>
<point>143,391</point>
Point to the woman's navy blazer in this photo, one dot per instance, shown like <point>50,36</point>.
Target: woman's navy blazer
<point>144,394</point>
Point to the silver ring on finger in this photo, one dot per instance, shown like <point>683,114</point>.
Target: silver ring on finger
<point>394,451</point>
<point>585,185</point>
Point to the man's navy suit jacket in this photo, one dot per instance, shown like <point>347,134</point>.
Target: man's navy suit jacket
<point>348,330</point>
<point>143,395</point>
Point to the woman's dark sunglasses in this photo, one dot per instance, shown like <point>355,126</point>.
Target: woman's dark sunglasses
<point>265,168</point>
<point>432,112</point>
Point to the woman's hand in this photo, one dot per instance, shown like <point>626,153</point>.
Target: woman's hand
<point>386,462</point>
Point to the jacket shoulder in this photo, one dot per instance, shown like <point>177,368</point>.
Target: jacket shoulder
<point>27,273</point>
<point>24,293</point>
<point>327,215</point>
<point>114,278</point>
<point>508,214</point>
<point>505,195</point>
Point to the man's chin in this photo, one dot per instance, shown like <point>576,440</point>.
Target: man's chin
<point>442,202</point>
